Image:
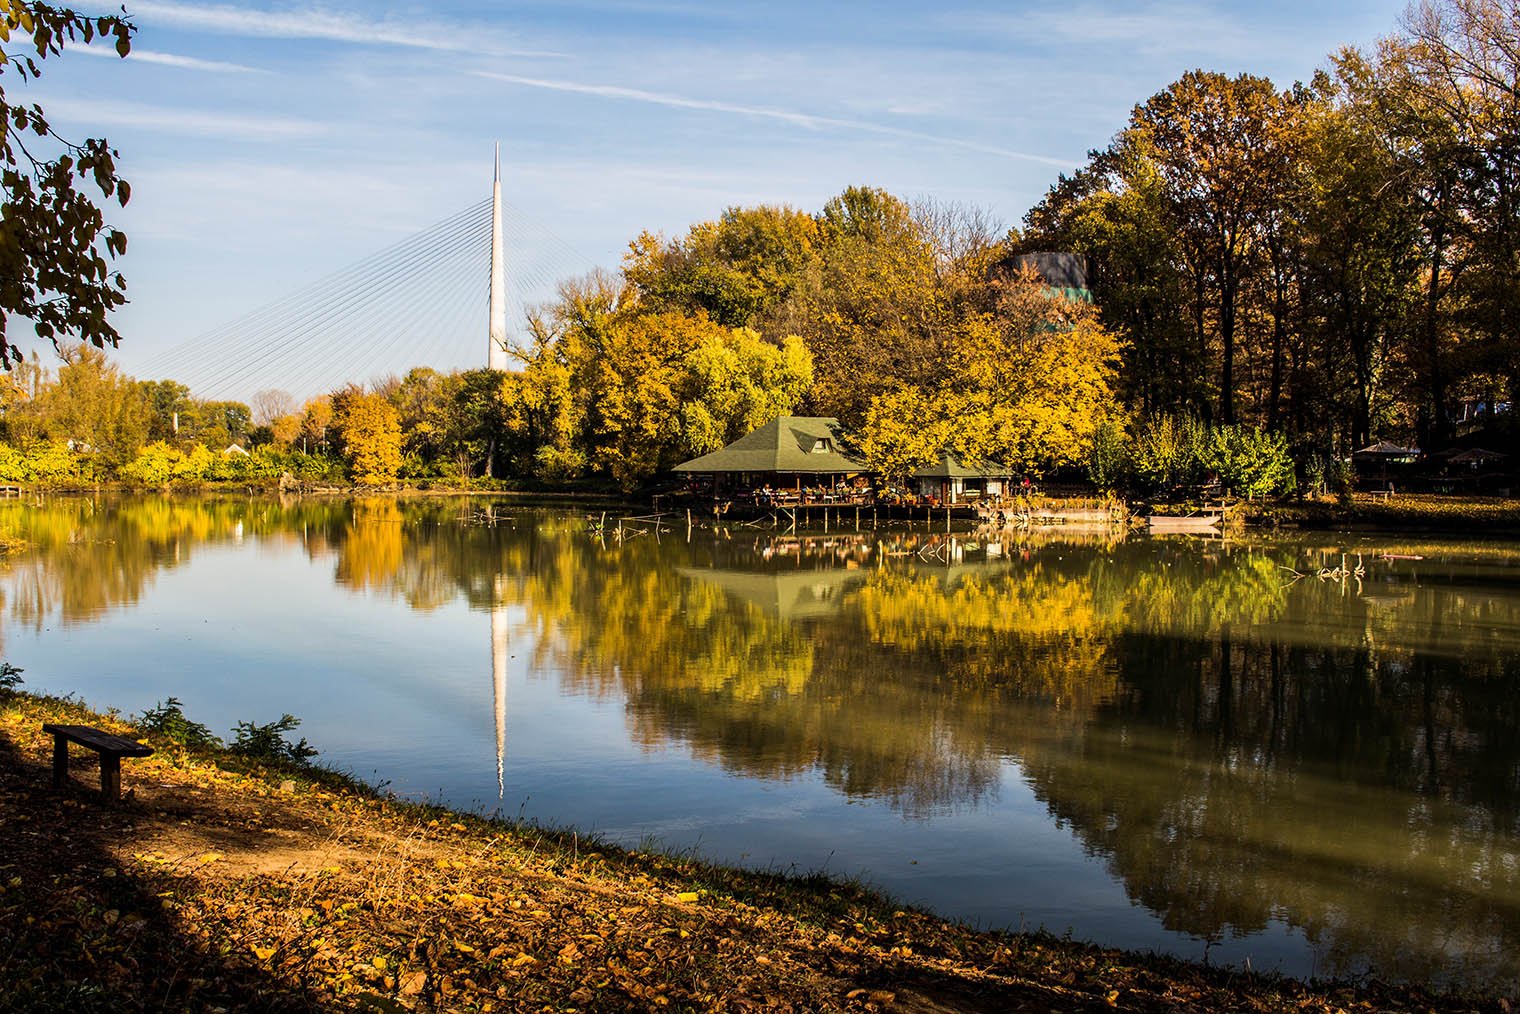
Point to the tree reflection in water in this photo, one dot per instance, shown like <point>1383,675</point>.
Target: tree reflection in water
<point>1240,746</point>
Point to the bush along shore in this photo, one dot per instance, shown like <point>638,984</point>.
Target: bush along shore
<point>245,878</point>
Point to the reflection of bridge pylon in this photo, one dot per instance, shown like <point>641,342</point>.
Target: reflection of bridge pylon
<point>500,637</point>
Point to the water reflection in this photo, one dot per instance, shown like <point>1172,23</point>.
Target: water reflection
<point>1242,745</point>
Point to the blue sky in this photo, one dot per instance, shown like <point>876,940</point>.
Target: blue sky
<point>270,145</point>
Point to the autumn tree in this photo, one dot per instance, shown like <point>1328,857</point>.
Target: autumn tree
<point>93,406</point>
<point>54,241</point>
<point>370,435</point>
<point>1028,385</point>
<point>316,423</point>
<point>1210,140</point>
<point>1449,85</point>
<point>739,270</point>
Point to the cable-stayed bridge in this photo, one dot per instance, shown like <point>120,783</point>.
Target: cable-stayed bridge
<point>453,295</point>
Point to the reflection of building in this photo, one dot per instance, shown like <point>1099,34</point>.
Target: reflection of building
<point>789,452</point>
<point>790,594</point>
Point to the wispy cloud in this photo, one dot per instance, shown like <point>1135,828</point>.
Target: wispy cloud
<point>1153,29</point>
<point>186,122</point>
<point>334,26</point>
<point>173,60</point>
<point>807,121</point>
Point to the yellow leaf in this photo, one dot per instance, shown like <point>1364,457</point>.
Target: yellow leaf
<point>262,953</point>
<point>379,963</point>
<point>687,896</point>
<point>211,857</point>
<point>524,958</point>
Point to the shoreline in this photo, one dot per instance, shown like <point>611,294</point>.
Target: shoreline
<point>292,887</point>
<point>1419,513</point>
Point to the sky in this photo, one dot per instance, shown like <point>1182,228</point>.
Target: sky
<point>268,146</point>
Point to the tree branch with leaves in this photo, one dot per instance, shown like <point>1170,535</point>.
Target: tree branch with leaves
<point>55,245</point>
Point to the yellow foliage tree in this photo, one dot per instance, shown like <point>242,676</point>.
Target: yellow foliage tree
<point>370,431</point>
<point>1028,384</point>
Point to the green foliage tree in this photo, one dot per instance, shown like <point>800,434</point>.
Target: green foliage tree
<point>1108,463</point>
<point>1170,451</point>
<point>94,407</point>
<point>1249,462</point>
<point>54,242</point>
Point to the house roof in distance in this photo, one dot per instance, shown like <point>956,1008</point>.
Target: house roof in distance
<point>788,443</point>
<point>949,466</point>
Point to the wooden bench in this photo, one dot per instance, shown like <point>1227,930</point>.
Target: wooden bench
<point>110,747</point>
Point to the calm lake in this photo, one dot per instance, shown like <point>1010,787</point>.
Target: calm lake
<point>1201,747</point>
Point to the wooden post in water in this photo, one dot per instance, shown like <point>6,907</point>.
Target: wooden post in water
<point>873,518</point>
<point>857,517</point>
<point>825,520</point>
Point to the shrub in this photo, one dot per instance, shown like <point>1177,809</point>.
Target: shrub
<point>10,678</point>
<point>1108,457</point>
<point>1169,452</point>
<point>168,719</point>
<point>53,462</point>
<point>1341,478</point>
<point>267,744</point>
<point>14,466</point>
<point>1250,463</point>
<point>153,466</point>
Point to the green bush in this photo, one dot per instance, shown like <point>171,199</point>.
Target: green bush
<point>267,744</point>
<point>10,678</point>
<point>1341,478</point>
<point>168,719</point>
<point>1249,462</point>
<point>1169,452</point>
<point>1108,457</point>
<point>153,466</point>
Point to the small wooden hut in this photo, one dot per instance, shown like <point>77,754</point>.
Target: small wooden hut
<point>949,480</point>
<point>790,455</point>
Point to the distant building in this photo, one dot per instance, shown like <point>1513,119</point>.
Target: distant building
<point>789,452</point>
<point>1064,273</point>
<point>235,449</point>
<point>950,481</point>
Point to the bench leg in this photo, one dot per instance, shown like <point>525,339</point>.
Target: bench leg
<point>60,761</point>
<point>110,777</point>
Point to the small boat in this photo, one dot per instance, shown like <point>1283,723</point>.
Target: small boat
<point>1189,523</point>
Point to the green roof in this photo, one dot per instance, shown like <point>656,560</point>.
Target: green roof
<point>949,467</point>
<point>788,443</point>
<point>788,594</point>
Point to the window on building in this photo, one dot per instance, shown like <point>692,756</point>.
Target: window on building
<point>821,445</point>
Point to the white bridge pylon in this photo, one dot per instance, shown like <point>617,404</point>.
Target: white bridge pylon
<point>497,357</point>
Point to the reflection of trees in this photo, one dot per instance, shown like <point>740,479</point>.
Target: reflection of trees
<point>91,555</point>
<point>1228,786</point>
<point>1238,746</point>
